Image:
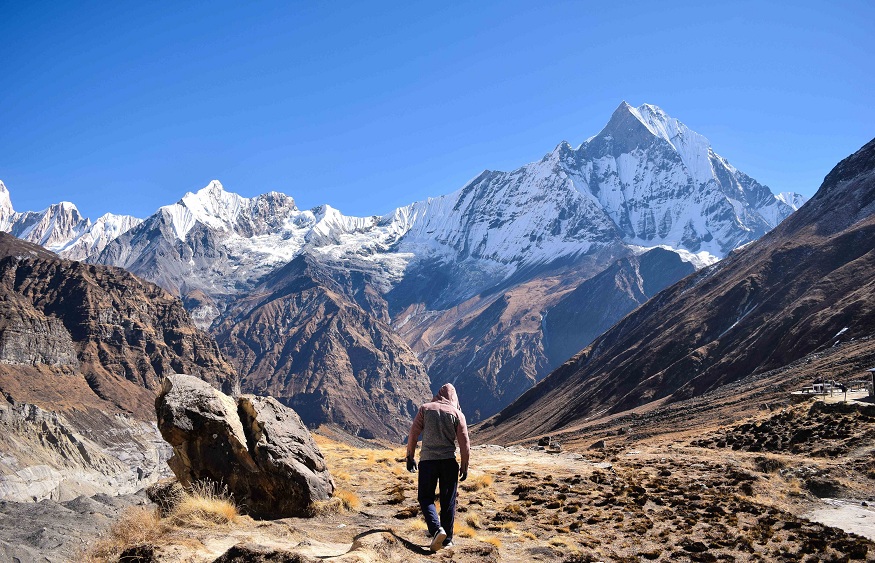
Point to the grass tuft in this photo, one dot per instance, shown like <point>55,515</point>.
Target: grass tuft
<point>136,526</point>
<point>478,483</point>
<point>342,501</point>
<point>474,521</point>
<point>493,541</point>
<point>204,506</point>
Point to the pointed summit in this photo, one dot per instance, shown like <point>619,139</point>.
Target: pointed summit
<point>625,131</point>
<point>7,213</point>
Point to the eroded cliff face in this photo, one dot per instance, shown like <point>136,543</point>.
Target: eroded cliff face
<point>49,455</point>
<point>83,349</point>
<point>118,332</point>
<point>31,338</point>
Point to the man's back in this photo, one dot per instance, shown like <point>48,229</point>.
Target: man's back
<point>441,423</point>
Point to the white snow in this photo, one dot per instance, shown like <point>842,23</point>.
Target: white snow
<point>692,147</point>
<point>699,260</point>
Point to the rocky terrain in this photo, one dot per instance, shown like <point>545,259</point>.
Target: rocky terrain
<point>802,288</point>
<point>55,531</point>
<point>635,488</point>
<point>745,472</point>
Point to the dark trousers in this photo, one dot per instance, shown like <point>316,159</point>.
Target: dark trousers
<point>445,473</point>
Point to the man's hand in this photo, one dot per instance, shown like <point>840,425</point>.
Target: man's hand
<point>463,473</point>
<point>411,465</point>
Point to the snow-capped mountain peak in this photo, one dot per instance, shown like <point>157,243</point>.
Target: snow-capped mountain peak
<point>221,210</point>
<point>213,206</point>
<point>7,212</point>
<point>633,128</point>
<point>792,199</point>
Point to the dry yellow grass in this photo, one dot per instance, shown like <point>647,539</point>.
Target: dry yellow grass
<point>203,506</point>
<point>474,520</point>
<point>136,526</point>
<point>349,499</point>
<point>464,531</point>
<point>342,501</point>
<point>493,541</point>
<point>479,482</point>
<point>418,524</point>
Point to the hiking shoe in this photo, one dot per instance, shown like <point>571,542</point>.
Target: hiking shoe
<point>437,540</point>
<point>449,542</point>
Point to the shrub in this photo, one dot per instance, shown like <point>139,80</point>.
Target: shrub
<point>342,501</point>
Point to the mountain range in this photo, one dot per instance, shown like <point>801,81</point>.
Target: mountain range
<point>490,287</point>
<point>803,288</point>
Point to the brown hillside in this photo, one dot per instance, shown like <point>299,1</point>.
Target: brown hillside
<point>79,335</point>
<point>300,339</point>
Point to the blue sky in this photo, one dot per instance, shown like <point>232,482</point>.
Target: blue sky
<point>125,106</point>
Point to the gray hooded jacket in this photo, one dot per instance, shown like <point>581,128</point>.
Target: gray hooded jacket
<point>441,423</point>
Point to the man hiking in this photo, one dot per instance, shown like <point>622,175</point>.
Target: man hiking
<point>441,423</point>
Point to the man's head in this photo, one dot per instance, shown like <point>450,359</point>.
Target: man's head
<point>447,394</point>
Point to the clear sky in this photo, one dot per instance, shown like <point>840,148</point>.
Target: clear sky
<point>124,106</point>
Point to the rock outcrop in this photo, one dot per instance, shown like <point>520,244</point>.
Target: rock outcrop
<point>255,446</point>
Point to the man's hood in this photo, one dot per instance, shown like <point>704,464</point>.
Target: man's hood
<point>447,394</point>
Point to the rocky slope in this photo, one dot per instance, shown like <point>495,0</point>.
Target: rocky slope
<point>507,341</point>
<point>82,351</point>
<point>598,303</point>
<point>805,286</point>
<point>299,338</point>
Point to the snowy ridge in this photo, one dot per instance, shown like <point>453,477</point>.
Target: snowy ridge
<point>645,180</point>
<point>106,228</point>
<point>60,228</point>
<point>792,199</point>
<point>7,213</point>
<point>211,205</point>
<point>693,148</point>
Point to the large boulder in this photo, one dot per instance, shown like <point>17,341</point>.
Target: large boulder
<point>255,446</point>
